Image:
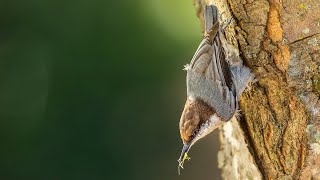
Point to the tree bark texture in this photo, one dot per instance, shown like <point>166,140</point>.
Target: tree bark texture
<point>278,135</point>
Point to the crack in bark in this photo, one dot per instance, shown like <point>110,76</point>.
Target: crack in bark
<point>251,147</point>
<point>299,40</point>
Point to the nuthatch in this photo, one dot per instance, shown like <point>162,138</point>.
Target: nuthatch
<point>214,84</point>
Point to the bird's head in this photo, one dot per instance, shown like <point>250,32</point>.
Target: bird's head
<point>198,119</point>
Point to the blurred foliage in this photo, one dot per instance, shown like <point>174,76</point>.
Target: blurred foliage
<point>94,89</point>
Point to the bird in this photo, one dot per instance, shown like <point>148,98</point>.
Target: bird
<point>216,78</point>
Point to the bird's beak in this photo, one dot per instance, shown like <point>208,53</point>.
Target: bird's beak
<point>185,150</point>
<point>184,155</point>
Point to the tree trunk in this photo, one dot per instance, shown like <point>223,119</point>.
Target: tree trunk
<point>278,135</point>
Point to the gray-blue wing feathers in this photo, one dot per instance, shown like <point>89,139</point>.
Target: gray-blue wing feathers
<point>210,77</point>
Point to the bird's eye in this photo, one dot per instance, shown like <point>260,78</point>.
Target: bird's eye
<point>194,133</point>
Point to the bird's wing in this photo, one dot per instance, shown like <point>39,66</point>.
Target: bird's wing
<point>209,77</point>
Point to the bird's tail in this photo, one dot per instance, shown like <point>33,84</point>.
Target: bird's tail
<point>211,17</point>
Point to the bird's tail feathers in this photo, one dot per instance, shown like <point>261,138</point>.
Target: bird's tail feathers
<point>211,17</point>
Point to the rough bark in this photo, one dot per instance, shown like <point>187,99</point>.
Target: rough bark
<point>278,135</point>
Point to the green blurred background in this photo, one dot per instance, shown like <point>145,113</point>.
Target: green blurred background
<point>94,89</point>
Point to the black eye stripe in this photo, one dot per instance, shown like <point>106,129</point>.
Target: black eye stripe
<point>195,132</point>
